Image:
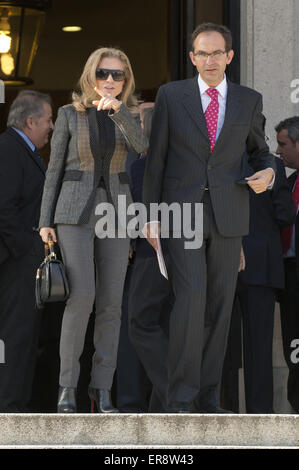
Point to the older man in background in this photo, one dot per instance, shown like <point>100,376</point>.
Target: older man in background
<point>22,173</point>
<point>288,149</point>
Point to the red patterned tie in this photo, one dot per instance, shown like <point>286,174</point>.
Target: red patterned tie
<point>286,233</point>
<point>211,116</point>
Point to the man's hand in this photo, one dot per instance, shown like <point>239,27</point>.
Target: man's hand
<point>151,231</point>
<point>242,264</point>
<point>260,181</point>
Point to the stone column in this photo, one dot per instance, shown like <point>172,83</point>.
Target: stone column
<point>270,65</point>
<point>270,57</point>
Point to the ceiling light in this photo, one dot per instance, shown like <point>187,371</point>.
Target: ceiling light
<point>7,63</point>
<point>5,42</point>
<point>71,29</point>
<point>5,39</point>
<point>20,26</point>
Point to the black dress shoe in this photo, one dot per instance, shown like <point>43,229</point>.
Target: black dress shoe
<point>212,409</point>
<point>180,410</point>
<point>179,407</point>
<point>66,400</point>
<point>102,400</point>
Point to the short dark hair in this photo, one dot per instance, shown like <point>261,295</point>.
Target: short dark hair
<point>27,103</point>
<point>206,27</point>
<point>292,126</point>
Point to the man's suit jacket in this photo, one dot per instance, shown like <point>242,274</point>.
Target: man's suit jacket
<point>74,169</point>
<point>291,181</point>
<point>22,175</point>
<point>179,163</point>
<point>269,212</point>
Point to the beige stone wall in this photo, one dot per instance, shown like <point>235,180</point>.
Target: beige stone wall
<point>270,64</point>
<point>270,56</point>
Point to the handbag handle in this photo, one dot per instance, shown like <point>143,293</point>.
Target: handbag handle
<point>49,248</point>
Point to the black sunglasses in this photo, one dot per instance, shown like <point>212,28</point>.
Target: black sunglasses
<point>117,75</point>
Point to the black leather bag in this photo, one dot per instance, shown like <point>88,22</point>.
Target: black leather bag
<point>51,283</point>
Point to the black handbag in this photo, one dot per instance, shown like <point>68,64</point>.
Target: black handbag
<point>51,283</point>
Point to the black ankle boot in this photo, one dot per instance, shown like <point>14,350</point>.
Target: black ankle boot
<point>67,400</point>
<point>102,400</point>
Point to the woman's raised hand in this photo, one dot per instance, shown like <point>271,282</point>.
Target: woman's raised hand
<point>106,102</point>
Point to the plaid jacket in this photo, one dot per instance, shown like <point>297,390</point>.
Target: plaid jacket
<point>72,175</point>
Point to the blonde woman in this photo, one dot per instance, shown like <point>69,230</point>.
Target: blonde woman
<point>87,167</point>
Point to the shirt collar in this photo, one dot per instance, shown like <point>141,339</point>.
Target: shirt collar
<point>26,138</point>
<point>222,87</point>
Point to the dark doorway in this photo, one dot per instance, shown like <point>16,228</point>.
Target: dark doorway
<point>184,15</point>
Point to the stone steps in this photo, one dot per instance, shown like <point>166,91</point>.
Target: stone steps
<point>133,431</point>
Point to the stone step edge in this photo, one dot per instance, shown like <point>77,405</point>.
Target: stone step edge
<point>240,431</point>
<point>128,447</point>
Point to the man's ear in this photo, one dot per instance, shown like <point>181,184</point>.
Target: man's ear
<point>230,56</point>
<point>29,122</point>
<point>191,55</point>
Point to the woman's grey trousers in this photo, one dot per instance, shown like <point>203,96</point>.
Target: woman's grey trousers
<point>96,270</point>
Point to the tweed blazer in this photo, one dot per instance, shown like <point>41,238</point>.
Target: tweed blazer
<point>73,174</point>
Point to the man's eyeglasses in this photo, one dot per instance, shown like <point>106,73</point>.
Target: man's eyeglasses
<point>214,55</point>
<point>117,75</point>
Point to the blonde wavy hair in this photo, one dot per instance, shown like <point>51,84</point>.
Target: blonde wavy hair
<point>83,99</point>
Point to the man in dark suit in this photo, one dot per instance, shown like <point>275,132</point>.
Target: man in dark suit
<point>288,148</point>
<point>132,384</point>
<point>146,291</point>
<point>263,274</point>
<point>150,298</point>
<point>22,173</point>
<point>201,128</point>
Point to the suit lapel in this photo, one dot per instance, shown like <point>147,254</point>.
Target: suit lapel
<point>192,103</point>
<point>231,109</point>
<point>292,179</point>
<point>94,142</point>
<point>93,133</point>
<point>33,156</point>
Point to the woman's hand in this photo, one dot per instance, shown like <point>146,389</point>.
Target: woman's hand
<point>45,232</point>
<point>107,102</point>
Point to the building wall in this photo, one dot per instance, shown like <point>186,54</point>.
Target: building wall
<point>269,56</point>
<point>270,64</point>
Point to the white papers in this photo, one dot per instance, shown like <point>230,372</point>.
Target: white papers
<point>160,258</point>
<point>154,232</point>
